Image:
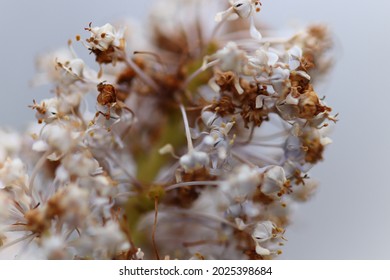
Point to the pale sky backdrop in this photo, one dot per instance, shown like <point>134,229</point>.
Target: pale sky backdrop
<point>348,217</point>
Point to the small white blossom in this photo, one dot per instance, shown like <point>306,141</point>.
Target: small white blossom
<point>230,58</point>
<point>263,60</point>
<point>139,255</point>
<point>261,234</point>
<point>102,241</point>
<point>274,180</point>
<point>241,184</point>
<point>76,203</point>
<point>80,164</point>
<point>54,248</point>
<point>10,144</point>
<point>105,36</point>
<point>56,138</point>
<point>194,160</point>
<point>47,110</point>
<point>48,62</point>
<point>242,9</point>
<point>13,172</point>
<point>63,68</point>
<point>294,57</point>
<point>72,70</point>
<point>247,209</point>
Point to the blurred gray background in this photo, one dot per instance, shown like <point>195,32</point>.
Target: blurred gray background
<point>348,217</point>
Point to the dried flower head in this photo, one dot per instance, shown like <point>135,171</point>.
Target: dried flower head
<point>194,146</point>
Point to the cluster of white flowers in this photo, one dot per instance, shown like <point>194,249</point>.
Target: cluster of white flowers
<point>196,146</point>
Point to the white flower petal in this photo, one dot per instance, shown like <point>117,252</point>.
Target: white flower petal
<point>294,64</point>
<point>263,231</point>
<point>167,149</point>
<point>262,251</point>
<point>40,146</point>
<point>303,74</point>
<point>255,34</point>
<point>270,89</point>
<point>139,255</point>
<point>260,101</point>
<point>274,179</point>
<point>291,100</point>
<point>221,15</point>
<point>240,224</point>
<point>272,58</point>
<point>325,141</point>
<point>194,160</point>
<point>232,16</point>
<point>276,173</point>
<point>243,8</point>
<point>295,52</point>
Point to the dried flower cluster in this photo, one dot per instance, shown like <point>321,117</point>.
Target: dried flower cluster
<point>195,144</point>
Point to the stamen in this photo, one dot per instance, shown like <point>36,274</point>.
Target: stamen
<point>158,58</point>
<point>71,49</point>
<point>36,169</point>
<point>154,228</point>
<point>10,244</point>
<point>203,68</point>
<point>187,128</point>
<point>194,183</point>
<point>132,179</point>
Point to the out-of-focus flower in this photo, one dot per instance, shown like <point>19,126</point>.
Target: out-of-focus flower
<point>105,36</point>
